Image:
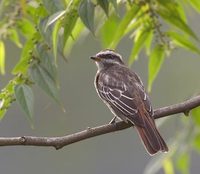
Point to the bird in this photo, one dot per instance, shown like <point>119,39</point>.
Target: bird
<point>122,90</point>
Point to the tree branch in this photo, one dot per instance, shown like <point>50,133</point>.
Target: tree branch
<point>59,142</point>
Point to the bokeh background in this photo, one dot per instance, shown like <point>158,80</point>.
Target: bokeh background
<point>114,153</point>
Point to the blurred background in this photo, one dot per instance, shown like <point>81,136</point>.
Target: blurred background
<point>119,152</point>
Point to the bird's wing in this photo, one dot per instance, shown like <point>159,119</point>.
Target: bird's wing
<point>124,99</point>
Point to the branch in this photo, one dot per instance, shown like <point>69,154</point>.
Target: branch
<point>59,142</point>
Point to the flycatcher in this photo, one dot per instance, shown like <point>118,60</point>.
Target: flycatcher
<point>123,92</point>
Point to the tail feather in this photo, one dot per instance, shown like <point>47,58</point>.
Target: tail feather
<point>145,141</point>
<point>150,136</point>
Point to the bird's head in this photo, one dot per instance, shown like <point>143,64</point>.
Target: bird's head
<point>107,58</point>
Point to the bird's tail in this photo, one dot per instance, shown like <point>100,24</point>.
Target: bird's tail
<point>150,136</point>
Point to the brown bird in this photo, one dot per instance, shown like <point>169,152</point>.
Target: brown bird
<point>123,92</point>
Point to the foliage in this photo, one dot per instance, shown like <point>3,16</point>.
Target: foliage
<point>47,30</point>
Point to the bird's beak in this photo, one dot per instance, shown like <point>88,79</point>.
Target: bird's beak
<point>95,58</point>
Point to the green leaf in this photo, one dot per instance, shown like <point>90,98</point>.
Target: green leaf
<point>175,20</point>
<point>69,24</point>
<point>182,41</point>
<point>13,35</point>
<point>114,3</point>
<point>69,21</point>
<point>22,65</point>
<point>195,4</point>
<point>149,42</point>
<point>54,5</point>
<point>2,57</point>
<point>134,25</point>
<point>155,61</point>
<point>104,5</point>
<point>26,27</point>
<point>2,110</point>
<point>120,30</point>
<point>168,166</point>
<point>196,115</point>
<point>109,27</point>
<point>181,11</point>
<point>42,78</point>
<point>174,7</point>
<point>46,31</point>
<point>139,42</point>
<point>1,103</point>
<point>25,99</point>
<point>47,61</point>
<point>36,13</point>
<point>54,17</point>
<point>86,13</point>
<point>55,38</point>
<point>182,163</point>
<point>7,94</point>
<point>72,40</point>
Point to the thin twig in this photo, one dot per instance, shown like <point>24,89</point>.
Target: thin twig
<point>59,142</point>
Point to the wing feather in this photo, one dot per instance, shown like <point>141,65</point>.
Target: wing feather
<point>119,99</point>
<point>123,98</point>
